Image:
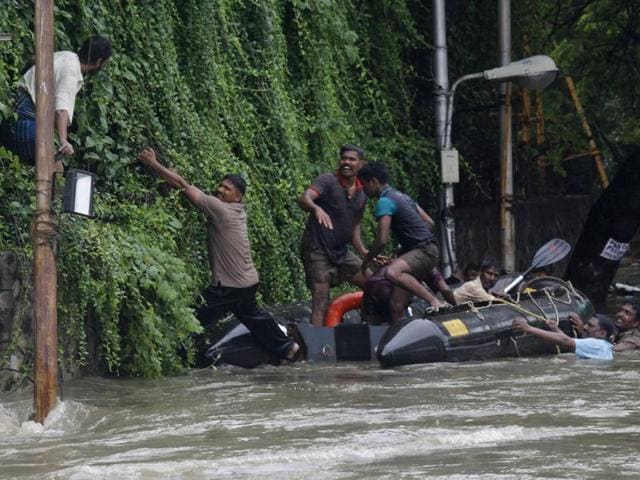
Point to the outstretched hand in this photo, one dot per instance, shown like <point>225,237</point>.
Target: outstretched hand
<point>577,323</point>
<point>519,324</point>
<point>148,157</point>
<point>552,325</point>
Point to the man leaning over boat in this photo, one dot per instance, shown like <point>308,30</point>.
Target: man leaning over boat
<point>396,212</point>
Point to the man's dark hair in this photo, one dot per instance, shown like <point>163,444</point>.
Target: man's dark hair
<point>374,170</point>
<point>487,264</point>
<point>237,181</point>
<point>471,266</point>
<point>93,49</point>
<point>607,325</point>
<point>348,147</point>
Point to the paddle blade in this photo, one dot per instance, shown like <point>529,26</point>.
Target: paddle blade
<point>551,252</point>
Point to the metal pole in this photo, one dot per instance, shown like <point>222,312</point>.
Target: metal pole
<point>45,228</point>
<point>441,80</point>
<point>506,160</point>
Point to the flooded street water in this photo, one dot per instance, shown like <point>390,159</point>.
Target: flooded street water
<point>552,417</point>
<point>545,417</point>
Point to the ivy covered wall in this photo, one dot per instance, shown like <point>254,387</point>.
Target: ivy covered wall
<point>267,88</point>
<point>271,89</point>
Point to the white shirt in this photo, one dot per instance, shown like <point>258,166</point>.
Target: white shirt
<point>67,79</point>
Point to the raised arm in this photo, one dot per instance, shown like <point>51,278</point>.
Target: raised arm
<point>558,337</point>
<point>148,158</point>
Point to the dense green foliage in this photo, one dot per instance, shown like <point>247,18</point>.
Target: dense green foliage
<point>271,89</point>
<point>267,89</point>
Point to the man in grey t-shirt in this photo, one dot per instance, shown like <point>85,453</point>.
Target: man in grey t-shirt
<point>335,202</point>
<point>235,280</point>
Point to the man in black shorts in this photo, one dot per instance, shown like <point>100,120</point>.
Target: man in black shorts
<point>235,280</point>
<point>335,201</point>
<point>396,212</point>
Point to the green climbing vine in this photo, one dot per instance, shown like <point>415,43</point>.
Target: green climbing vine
<point>268,89</point>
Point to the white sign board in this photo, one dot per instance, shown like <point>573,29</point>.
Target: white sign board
<point>614,250</point>
<point>449,166</point>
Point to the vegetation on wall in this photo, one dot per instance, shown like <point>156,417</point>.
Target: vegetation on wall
<point>269,89</point>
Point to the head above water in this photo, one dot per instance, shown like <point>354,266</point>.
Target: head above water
<point>627,316</point>
<point>599,327</point>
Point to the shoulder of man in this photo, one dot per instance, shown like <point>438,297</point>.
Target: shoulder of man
<point>385,206</point>
<point>323,183</point>
<point>66,57</point>
<point>629,340</point>
<point>211,205</point>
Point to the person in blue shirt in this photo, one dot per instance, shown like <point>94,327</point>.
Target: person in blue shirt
<point>396,212</point>
<point>595,345</point>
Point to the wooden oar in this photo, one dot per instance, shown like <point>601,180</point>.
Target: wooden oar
<point>551,252</point>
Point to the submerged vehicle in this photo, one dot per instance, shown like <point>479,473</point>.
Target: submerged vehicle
<point>466,332</point>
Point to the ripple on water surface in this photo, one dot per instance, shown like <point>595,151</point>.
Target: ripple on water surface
<point>517,418</point>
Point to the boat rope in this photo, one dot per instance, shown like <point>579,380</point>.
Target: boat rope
<point>538,305</point>
<point>516,306</point>
<point>515,346</point>
<point>555,309</point>
<point>475,310</point>
<point>576,293</point>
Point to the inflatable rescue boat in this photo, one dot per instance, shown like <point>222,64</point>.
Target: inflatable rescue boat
<point>465,332</point>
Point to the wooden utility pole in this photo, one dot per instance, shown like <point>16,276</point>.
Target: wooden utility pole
<point>587,130</point>
<point>45,229</point>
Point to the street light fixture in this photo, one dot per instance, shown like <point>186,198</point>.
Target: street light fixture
<point>77,196</point>
<point>535,72</point>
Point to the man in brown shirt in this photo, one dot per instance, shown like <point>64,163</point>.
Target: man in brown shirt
<point>628,324</point>
<point>235,279</point>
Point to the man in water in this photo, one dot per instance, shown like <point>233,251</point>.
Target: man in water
<point>335,202</point>
<point>628,323</point>
<point>235,279</point>
<point>478,290</point>
<point>69,69</point>
<point>396,212</point>
<point>595,345</point>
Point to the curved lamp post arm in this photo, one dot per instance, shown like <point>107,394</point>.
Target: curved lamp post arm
<point>450,95</point>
